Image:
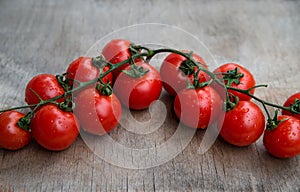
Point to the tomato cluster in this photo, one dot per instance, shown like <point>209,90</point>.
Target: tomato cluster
<point>244,122</point>
<point>90,95</point>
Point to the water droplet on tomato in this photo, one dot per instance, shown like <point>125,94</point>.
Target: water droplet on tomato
<point>285,143</point>
<point>247,138</point>
<point>245,110</point>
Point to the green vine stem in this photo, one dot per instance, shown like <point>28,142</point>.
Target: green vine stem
<point>147,54</point>
<point>80,86</point>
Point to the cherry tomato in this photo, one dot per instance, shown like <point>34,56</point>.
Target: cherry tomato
<point>284,140</point>
<point>53,128</point>
<point>83,70</point>
<point>290,101</point>
<point>246,82</point>
<point>97,114</point>
<point>138,93</point>
<point>196,108</point>
<point>12,137</point>
<point>116,51</point>
<point>174,80</point>
<point>46,86</point>
<point>243,125</point>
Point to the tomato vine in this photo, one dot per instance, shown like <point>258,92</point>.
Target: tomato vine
<point>189,66</point>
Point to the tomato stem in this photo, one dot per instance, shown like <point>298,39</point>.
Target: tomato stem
<point>137,52</point>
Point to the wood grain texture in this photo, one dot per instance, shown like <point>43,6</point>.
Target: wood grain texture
<point>44,36</point>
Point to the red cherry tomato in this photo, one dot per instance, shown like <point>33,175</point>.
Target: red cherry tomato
<point>97,114</point>
<point>116,51</point>
<point>12,137</point>
<point>284,140</point>
<point>46,86</point>
<point>243,125</point>
<point>53,128</point>
<point>83,70</point>
<point>138,93</point>
<point>174,80</point>
<point>196,108</point>
<point>290,101</point>
<point>246,82</point>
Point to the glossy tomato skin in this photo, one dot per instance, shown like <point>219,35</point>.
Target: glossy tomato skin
<point>243,125</point>
<point>97,114</point>
<point>196,108</point>
<point>246,82</point>
<point>12,137</point>
<point>174,80</point>
<point>138,93</point>
<point>116,51</point>
<point>290,101</point>
<point>46,86</point>
<point>53,128</point>
<point>284,140</point>
<point>83,70</point>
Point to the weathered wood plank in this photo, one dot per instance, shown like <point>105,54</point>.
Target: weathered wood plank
<point>44,36</point>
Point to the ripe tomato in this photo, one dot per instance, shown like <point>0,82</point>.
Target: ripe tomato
<point>46,86</point>
<point>116,51</point>
<point>138,93</point>
<point>174,80</point>
<point>246,82</point>
<point>53,128</point>
<point>83,70</point>
<point>12,137</point>
<point>97,114</point>
<point>242,125</point>
<point>196,108</point>
<point>284,140</point>
<point>290,101</point>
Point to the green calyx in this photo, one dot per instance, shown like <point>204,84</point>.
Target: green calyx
<point>136,71</point>
<point>104,88</point>
<point>25,121</point>
<point>232,76</point>
<point>99,62</point>
<point>187,67</point>
<point>273,123</point>
<point>295,107</point>
<point>63,81</point>
<point>134,49</point>
<point>231,102</point>
<point>68,105</point>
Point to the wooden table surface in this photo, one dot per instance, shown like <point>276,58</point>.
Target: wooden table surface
<point>45,36</point>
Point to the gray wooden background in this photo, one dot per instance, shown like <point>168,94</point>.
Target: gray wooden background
<point>45,36</point>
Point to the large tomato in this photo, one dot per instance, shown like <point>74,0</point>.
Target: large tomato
<point>138,92</point>
<point>53,128</point>
<point>196,108</point>
<point>244,82</point>
<point>243,124</point>
<point>44,85</point>
<point>97,114</point>
<point>174,80</point>
<point>83,70</point>
<point>284,140</point>
<point>290,101</point>
<point>116,51</point>
<point>12,137</point>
